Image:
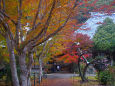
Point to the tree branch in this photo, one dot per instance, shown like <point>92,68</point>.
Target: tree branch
<point>8,17</point>
<point>6,27</point>
<point>36,16</point>
<point>3,1</point>
<point>54,33</point>
<point>19,20</point>
<point>43,31</point>
<point>44,47</point>
<point>36,25</point>
<point>2,34</point>
<point>0,4</point>
<point>18,26</point>
<point>42,17</point>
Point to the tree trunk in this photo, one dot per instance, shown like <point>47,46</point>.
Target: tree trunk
<point>23,69</point>
<point>14,74</point>
<point>29,68</point>
<point>29,81</point>
<point>111,57</point>
<point>40,68</point>
<point>80,72</point>
<point>84,71</point>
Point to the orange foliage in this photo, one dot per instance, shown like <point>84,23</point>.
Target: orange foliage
<point>44,19</point>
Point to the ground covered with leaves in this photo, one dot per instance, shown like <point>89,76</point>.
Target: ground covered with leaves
<point>76,81</point>
<point>67,82</point>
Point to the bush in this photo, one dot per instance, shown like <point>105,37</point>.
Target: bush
<point>104,77</point>
<point>107,76</point>
<point>112,73</point>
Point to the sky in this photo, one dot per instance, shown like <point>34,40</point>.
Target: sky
<point>92,22</point>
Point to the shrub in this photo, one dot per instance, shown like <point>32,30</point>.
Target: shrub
<point>104,77</point>
<point>107,76</point>
<point>112,73</point>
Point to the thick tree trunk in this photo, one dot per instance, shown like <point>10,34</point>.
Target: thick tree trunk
<point>14,74</point>
<point>15,79</point>
<point>29,67</point>
<point>23,69</point>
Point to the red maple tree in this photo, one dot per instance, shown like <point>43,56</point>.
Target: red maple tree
<point>71,54</point>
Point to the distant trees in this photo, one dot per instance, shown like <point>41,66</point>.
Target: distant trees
<point>104,38</point>
<point>104,42</point>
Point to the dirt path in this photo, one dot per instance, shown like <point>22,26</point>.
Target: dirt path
<point>57,82</point>
<point>56,79</point>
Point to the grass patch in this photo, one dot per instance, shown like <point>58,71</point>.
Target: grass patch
<point>89,77</point>
<point>92,81</point>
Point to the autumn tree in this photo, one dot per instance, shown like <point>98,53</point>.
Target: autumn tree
<point>26,26</point>
<point>71,54</point>
<point>65,49</point>
<point>43,18</point>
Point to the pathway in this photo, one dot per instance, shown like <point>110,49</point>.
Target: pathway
<point>57,79</point>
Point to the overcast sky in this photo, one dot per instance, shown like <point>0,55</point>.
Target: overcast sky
<point>92,22</point>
